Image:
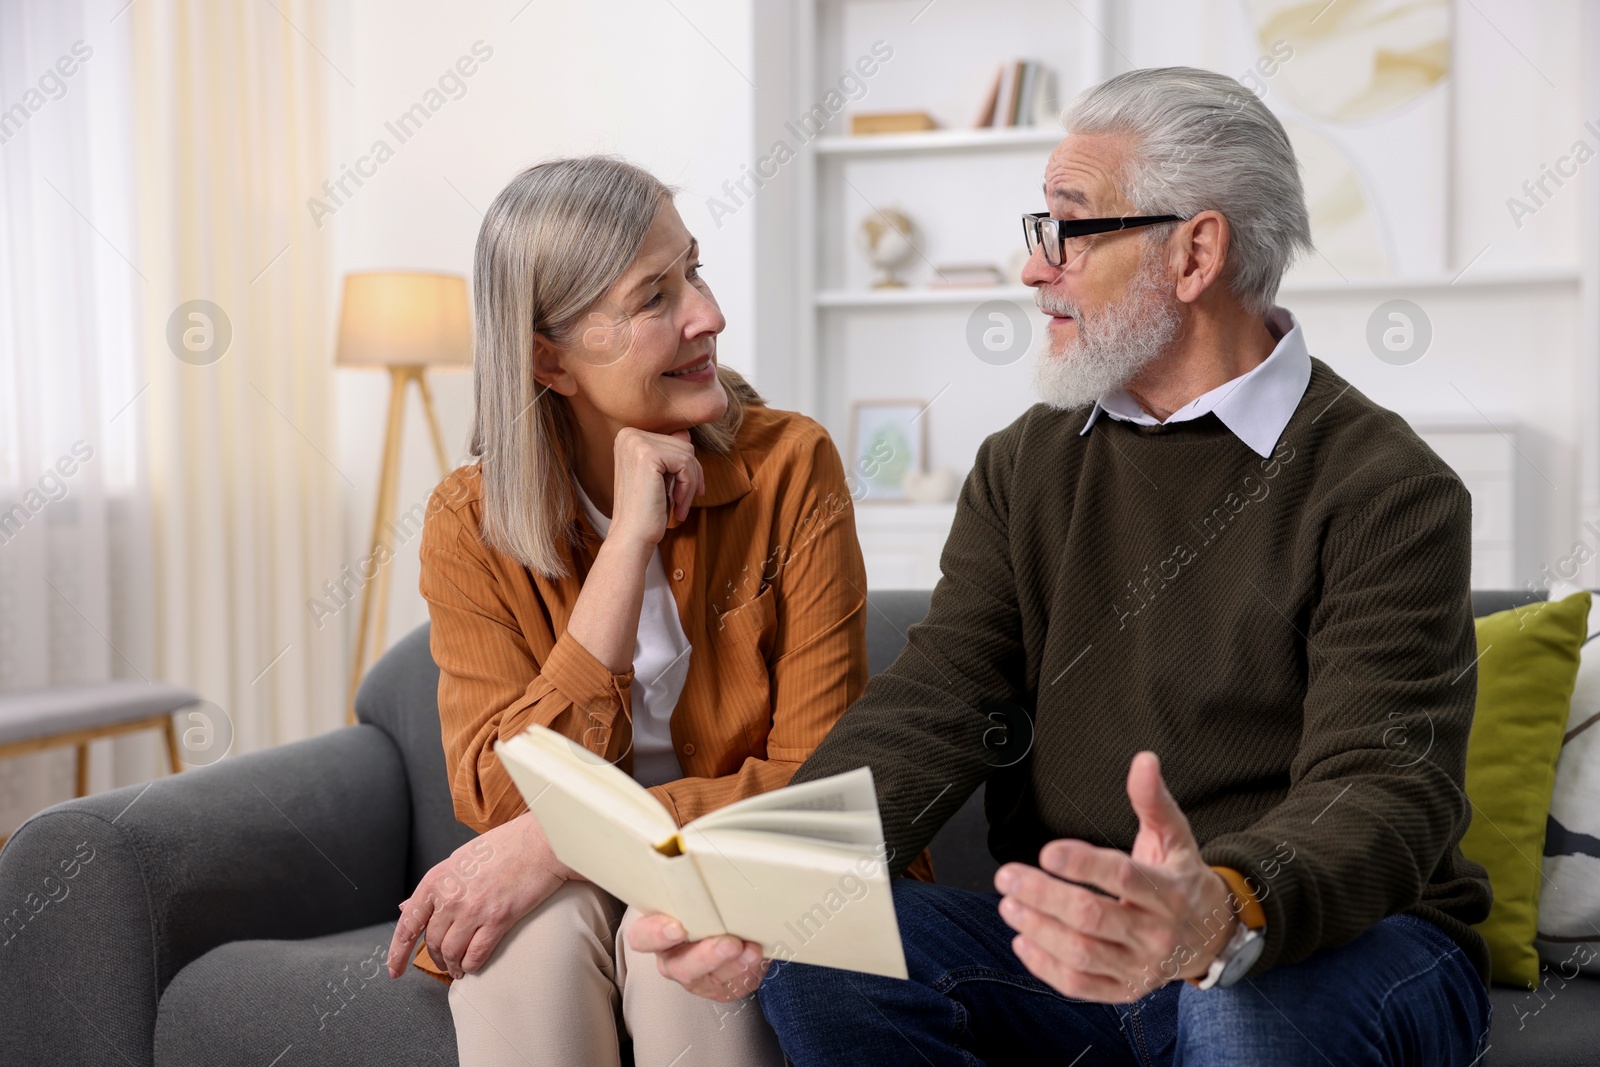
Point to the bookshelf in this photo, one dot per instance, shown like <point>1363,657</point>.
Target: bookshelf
<point>825,338</point>
<point>919,296</point>
<point>938,142</point>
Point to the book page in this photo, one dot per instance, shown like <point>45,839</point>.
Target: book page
<point>851,791</point>
<point>858,828</point>
<point>595,830</point>
<point>816,903</point>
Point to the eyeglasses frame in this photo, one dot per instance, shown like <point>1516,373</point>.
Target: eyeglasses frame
<point>1033,228</point>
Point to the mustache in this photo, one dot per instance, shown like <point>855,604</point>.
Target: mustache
<point>1055,304</point>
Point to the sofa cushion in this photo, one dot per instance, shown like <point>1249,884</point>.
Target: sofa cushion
<point>1552,1026</point>
<point>321,1000</point>
<point>1569,902</point>
<point>1527,661</point>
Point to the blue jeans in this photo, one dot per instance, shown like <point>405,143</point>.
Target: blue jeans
<point>1401,993</point>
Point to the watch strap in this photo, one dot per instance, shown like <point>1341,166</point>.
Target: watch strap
<point>1251,915</point>
<point>1250,911</point>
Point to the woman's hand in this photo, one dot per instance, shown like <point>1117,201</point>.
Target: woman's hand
<point>468,902</point>
<point>654,474</point>
<point>722,968</point>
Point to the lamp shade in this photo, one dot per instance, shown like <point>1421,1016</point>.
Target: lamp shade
<point>405,318</point>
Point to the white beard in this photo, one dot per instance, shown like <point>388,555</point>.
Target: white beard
<point>1115,344</point>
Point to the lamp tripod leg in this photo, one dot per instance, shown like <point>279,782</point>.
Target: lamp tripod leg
<point>383,515</point>
<point>433,423</point>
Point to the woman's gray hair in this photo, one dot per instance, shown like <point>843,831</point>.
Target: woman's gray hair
<point>552,244</point>
<point>1202,140</point>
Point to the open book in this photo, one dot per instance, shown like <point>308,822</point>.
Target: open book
<point>799,870</point>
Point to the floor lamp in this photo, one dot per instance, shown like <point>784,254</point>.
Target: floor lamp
<point>404,322</point>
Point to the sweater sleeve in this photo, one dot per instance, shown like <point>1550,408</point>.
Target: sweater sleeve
<point>920,726</point>
<point>491,683</point>
<point>816,582</point>
<point>1375,798</point>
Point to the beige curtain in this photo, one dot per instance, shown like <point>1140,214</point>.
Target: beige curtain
<point>231,101</point>
<point>75,599</point>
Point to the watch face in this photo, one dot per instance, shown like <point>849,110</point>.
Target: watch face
<point>1245,958</point>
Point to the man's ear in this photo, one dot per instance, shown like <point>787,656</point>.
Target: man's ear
<point>549,367</point>
<point>1202,252</point>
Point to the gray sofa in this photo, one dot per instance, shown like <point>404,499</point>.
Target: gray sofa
<point>239,913</point>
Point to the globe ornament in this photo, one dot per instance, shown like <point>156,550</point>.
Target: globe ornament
<point>888,240</point>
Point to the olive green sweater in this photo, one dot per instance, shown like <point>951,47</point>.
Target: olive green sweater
<point>1293,637</point>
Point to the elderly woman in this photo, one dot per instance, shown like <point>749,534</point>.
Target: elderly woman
<point>645,558</point>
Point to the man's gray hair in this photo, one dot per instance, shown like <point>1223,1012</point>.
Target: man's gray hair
<point>1202,140</point>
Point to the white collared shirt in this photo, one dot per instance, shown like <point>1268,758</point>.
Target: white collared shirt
<point>1256,406</point>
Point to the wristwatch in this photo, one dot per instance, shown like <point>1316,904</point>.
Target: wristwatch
<point>1249,936</point>
<point>1236,958</point>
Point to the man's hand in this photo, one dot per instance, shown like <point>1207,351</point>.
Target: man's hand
<point>723,969</point>
<point>1166,915</point>
<point>466,903</point>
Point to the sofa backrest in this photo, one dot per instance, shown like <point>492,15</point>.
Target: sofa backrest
<point>1489,601</point>
<point>400,696</point>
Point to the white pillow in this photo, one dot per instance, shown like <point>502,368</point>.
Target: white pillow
<point>1569,898</point>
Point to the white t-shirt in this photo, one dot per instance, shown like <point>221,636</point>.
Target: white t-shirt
<point>660,664</point>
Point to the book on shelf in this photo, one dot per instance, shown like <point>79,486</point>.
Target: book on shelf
<point>965,276</point>
<point>1044,104</point>
<point>870,122</point>
<point>800,870</point>
<point>1021,93</point>
<point>1014,97</point>
<point>991,100</point>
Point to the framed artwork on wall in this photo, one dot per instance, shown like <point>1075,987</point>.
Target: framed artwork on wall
<point>888,445</point>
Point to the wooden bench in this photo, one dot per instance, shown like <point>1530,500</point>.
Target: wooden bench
<point>32,720</point>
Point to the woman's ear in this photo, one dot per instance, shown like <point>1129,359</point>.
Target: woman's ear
<point>549,367</point>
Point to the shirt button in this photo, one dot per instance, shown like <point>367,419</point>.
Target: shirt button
<point>688,749</point>
<point>677,575</point>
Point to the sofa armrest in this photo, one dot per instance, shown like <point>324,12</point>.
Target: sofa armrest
<point>105,898</point>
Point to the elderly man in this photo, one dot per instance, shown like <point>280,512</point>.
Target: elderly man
<point>1204,629</point>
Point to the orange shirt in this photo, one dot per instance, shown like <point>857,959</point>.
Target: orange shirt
<point>771,590</point>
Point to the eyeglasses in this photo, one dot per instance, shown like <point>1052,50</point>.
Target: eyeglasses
<point>1065,240</point>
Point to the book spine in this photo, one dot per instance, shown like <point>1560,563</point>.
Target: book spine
<point>1030,76</point>
<point>991,99</point>
<point>1013,93</point>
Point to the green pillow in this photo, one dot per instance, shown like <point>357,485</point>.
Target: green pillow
<point>1528,661</point>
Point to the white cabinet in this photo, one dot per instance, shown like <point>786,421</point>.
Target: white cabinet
<point>902,542</point>
<point>1484,457</point>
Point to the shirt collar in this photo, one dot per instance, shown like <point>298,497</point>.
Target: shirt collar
<point>1256,406</point>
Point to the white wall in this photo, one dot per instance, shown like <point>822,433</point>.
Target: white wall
<point>661,84</point>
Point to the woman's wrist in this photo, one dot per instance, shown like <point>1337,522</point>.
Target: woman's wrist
<point>621,550</point>
<point>533,836</point>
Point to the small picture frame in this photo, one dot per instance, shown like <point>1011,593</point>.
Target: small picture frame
<point>888,442</point>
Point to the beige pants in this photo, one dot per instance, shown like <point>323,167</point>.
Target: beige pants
<point>563,980</point>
